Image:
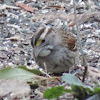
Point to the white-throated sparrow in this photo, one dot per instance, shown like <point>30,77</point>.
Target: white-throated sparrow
<point>55,47</point>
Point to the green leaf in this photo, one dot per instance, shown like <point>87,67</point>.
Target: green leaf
<point>89,90</point>
<point>35,71</point>
<point>94,97</point>
<point>72,79</point>
<point>96,90</point>
<point>54,92</point>
<point>16,73</point>
<point>75,99</point>
<point>68,91</point>
<point>76,88</point>
<point>80,90</point>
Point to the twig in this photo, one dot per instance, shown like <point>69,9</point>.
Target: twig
<point>79,42</point>
<point>46,74</point>
<point>45,67</point>
<point>4,6</point>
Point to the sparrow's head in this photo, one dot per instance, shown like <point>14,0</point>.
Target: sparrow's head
<point>44,41</point>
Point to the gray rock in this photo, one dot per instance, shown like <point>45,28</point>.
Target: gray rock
<point>14,21</point>
<point>14,88</point>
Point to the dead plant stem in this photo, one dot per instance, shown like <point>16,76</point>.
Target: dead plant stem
<point>79,42</point>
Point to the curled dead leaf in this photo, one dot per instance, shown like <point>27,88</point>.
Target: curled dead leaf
<point>25,6</point>
<point>57,7</point>
<point>71,24</point>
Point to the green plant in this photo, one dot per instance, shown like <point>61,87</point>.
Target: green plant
<point>79,90</point>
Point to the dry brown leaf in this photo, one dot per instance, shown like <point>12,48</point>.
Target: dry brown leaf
<point>72,24</point>
<point>55,6</point>
<point>50,0</point>
<point>25,6</point>
<point>15,38</point>
<point>3,15</point>
<point>52,81</point>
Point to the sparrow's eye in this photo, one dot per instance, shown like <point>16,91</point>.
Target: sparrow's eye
<point>43,40</point>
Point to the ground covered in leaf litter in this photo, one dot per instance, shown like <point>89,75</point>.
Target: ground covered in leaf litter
<point>19,22</point>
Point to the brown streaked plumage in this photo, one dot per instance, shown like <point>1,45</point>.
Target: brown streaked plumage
<point>68,39</point>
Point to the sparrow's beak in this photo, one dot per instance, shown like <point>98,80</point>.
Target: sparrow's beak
<point>42,52</point>
<point>36,51</point>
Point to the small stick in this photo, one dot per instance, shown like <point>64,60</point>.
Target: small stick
<point>79,42</point>
<point>45,67</point>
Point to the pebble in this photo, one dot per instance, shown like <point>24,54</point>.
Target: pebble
<point>44,11</point>
<point>22,62</point>
<point>1,10</point>
<point>37,5</point>
<point>27,31</point>
<point>10,64</point>
<point>97,33</point>
<point>20,1</point>
<point>90,41</point>
<point>13,21</point>
<point>3,55</point>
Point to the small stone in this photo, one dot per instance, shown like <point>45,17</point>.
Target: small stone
<point>10,64</point>
<point>13,21</point>
<point>37,5</point>
<point>45,11</point>
<point>90,41</point>
<point>20,1</point>
<point>1,11</point>
<point>3,55</point>
<point>26,22</point>
<point>27,31</point>
<point>97,33</point>
<point>22,62</point>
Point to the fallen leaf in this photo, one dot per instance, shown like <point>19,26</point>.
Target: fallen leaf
<point>19,73</point>
<point>25,6</point>
<point>55,6</point>
<point>3,15</point>
<point>71,24</point>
